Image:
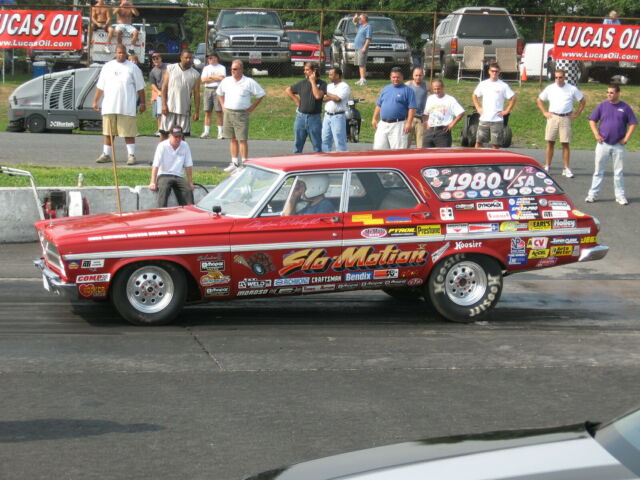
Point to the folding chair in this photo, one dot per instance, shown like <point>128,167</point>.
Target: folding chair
<point>473,60</point>
<point>507,58</point>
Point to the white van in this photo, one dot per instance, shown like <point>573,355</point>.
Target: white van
<point>534,61</point>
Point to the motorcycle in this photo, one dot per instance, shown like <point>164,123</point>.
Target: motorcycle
<point>353,119</point>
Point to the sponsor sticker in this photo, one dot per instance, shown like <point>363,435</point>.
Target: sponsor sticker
<point>516,259</point>
<point>564,223</point>
<point>564,241</point>
<point>97,263</point>
<point>93,278</point>
<point>559,205</point>
<point>518,246</point>
<point>216,291</point>
<point>91,290</point>
<point>397,220</point>
<point>358,276</point>
<point>318,288</point>
<point>535,225</point>
<point>389,273</point>
<point>578,213</point>
<point>367,219</point>
<point>326,279</point>
<point>562,251</point>
<point>446,213</point>
<point>445,195</point>
<point>457,228</point>
<point>73,265</point>
<point>504,215</point>
<point>284,282</point>
<point>431,173</point>
<point>494,205</point>
<point>415,282</point>
<point>285,290</point>
<point>539,253</point>
<point>465,245</point>
<point>253,283</point>
<point>214,278</point>
<point>401,231</point>
<point>588,239</point>
<point>424,230</point>
<point>483,227</point>
<point>513,226</point>
<point>537,242</point>
<point>374,232</point>
<point>464,206</point>
<point>247,293</point>
<point>555,214</point>
<point>209,265</point>
<point>435,256</point>
<point>547,262</point>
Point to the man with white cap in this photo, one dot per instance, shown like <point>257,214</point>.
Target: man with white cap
<point>170,163</point>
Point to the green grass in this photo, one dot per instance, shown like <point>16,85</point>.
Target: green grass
<point>273,119</point>
<point>96,177</point>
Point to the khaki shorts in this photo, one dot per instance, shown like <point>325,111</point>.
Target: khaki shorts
<point>360,59</point>
<point>168,121</point>
<point>490,132</point>
<point>211,100</point>
<point>236,124</point>
<point>123,126</point>
<point>558,127</point>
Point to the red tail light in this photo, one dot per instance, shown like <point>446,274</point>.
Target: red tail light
<point>454,46</point>
<point>520,46</point>
<point>184,46</point>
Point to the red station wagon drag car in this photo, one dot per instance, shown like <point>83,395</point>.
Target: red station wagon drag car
<point>444,224</point>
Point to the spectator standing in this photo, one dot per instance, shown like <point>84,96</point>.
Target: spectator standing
<point>334,124</point>
<point>121,86</point>
<point>494,92</point>
<point>307,94</point>
<point>442,112</point>
<point>212,74</point>
<point>235,94</point>
<point>560,115</point>
<point>170,163</point>
<point>361,45</point>
<point>124,14</point>
<point>100,16</point>
<point>179,82</point>
<point>420,90</point>
<point>395,107</point>
<point>613,18</point>
<point>616,125</point>
<point>155,79</point>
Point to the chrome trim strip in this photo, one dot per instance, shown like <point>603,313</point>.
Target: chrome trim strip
<point>325,243</point>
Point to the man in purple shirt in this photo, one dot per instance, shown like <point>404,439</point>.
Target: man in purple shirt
<point>617,123</point>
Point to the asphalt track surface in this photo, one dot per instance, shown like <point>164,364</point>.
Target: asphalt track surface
<point>235,388</point>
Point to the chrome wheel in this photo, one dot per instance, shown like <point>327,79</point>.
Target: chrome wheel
<point>150,289</point>
<point>466,283</point>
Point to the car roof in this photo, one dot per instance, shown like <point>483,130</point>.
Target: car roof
<point>409,158</point>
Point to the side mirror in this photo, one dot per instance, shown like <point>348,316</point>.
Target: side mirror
<point>288,24</point>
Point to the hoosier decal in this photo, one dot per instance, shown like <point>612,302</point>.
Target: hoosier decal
<point>353,258</point>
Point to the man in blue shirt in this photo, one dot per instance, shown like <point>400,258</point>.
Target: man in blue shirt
<point>393,115</point>
<point>361,45</point>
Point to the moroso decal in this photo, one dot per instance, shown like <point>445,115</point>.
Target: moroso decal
<point>93,278</point>
<point>367,219</point>
<point>352,258</point>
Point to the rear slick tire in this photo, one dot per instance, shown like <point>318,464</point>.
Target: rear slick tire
<point>464,287</point>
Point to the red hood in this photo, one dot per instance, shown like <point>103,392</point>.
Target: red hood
<point>110,230</point>
<point>312,47</point>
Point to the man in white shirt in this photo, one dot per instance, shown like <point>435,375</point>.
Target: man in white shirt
<point>235,94</point>
<point>120,85</point>
<point>170,162</point>
<point>212,75</point>
<point>494,92</point>
<point>441,113</point>
<point>334,124</point>
<point>560,115</point>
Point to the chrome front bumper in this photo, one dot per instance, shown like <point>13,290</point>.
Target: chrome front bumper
<point>594,253</point>
<point>52,283</point>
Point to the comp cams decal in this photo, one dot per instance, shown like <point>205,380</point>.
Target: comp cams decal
<point>93,278</point>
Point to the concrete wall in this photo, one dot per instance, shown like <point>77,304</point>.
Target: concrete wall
<point>19,209</point>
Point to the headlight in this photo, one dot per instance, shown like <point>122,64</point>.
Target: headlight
<point>197,61</point>
<point>223,42</point>
<point>400,46</point>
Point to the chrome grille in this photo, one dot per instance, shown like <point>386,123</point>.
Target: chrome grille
<point>380,46</point>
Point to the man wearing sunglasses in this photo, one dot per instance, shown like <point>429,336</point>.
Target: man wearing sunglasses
<point>560,115</point>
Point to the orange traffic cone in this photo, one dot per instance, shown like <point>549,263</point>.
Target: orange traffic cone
<point>523,77</point>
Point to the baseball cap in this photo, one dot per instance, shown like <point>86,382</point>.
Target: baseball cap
<point>176,131</point>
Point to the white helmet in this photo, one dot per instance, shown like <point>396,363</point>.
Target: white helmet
<point>316,185</point>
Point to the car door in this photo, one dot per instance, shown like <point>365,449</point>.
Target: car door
<point>387,232</point>
<point>280,252</point>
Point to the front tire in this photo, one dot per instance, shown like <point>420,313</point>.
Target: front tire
<point>36,123</point>
<point>149,293</point>
<point>465,287</point>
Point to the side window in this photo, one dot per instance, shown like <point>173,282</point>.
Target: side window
<point>306,194</point>
<point>384,190</point>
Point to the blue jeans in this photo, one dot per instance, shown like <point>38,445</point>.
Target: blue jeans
<point>604,152</point>
<point>334,131</point>
<point>307,124</point>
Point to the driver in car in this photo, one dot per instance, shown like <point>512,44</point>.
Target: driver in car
<point>311,191</point>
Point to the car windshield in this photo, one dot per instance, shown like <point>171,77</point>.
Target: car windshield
<point>238,194</point>
<point>621,438</point>
<point>379,26</point>
<point>486,26</point>
<point>246,19</point>
<point>200,50</point>
<point>304,37</point>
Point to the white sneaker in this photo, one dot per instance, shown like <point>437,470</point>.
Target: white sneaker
<point>220,137</point>
<point>204,135</point>
<point>232,167</point>
<point>567,173</point>
<point>547,168</point>
<point>157,134</point>
<point>131,160</point>
<point>622,201</point>
<point>103,158</point>
<point>590,199</point>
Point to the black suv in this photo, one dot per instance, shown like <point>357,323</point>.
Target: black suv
<point>386,50</point>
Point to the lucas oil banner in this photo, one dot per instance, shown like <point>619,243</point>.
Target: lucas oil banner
<point>41,29</point>
<point>597,42</point>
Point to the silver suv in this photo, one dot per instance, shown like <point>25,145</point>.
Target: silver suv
<point>488,27</point>
<point>386,50</point>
